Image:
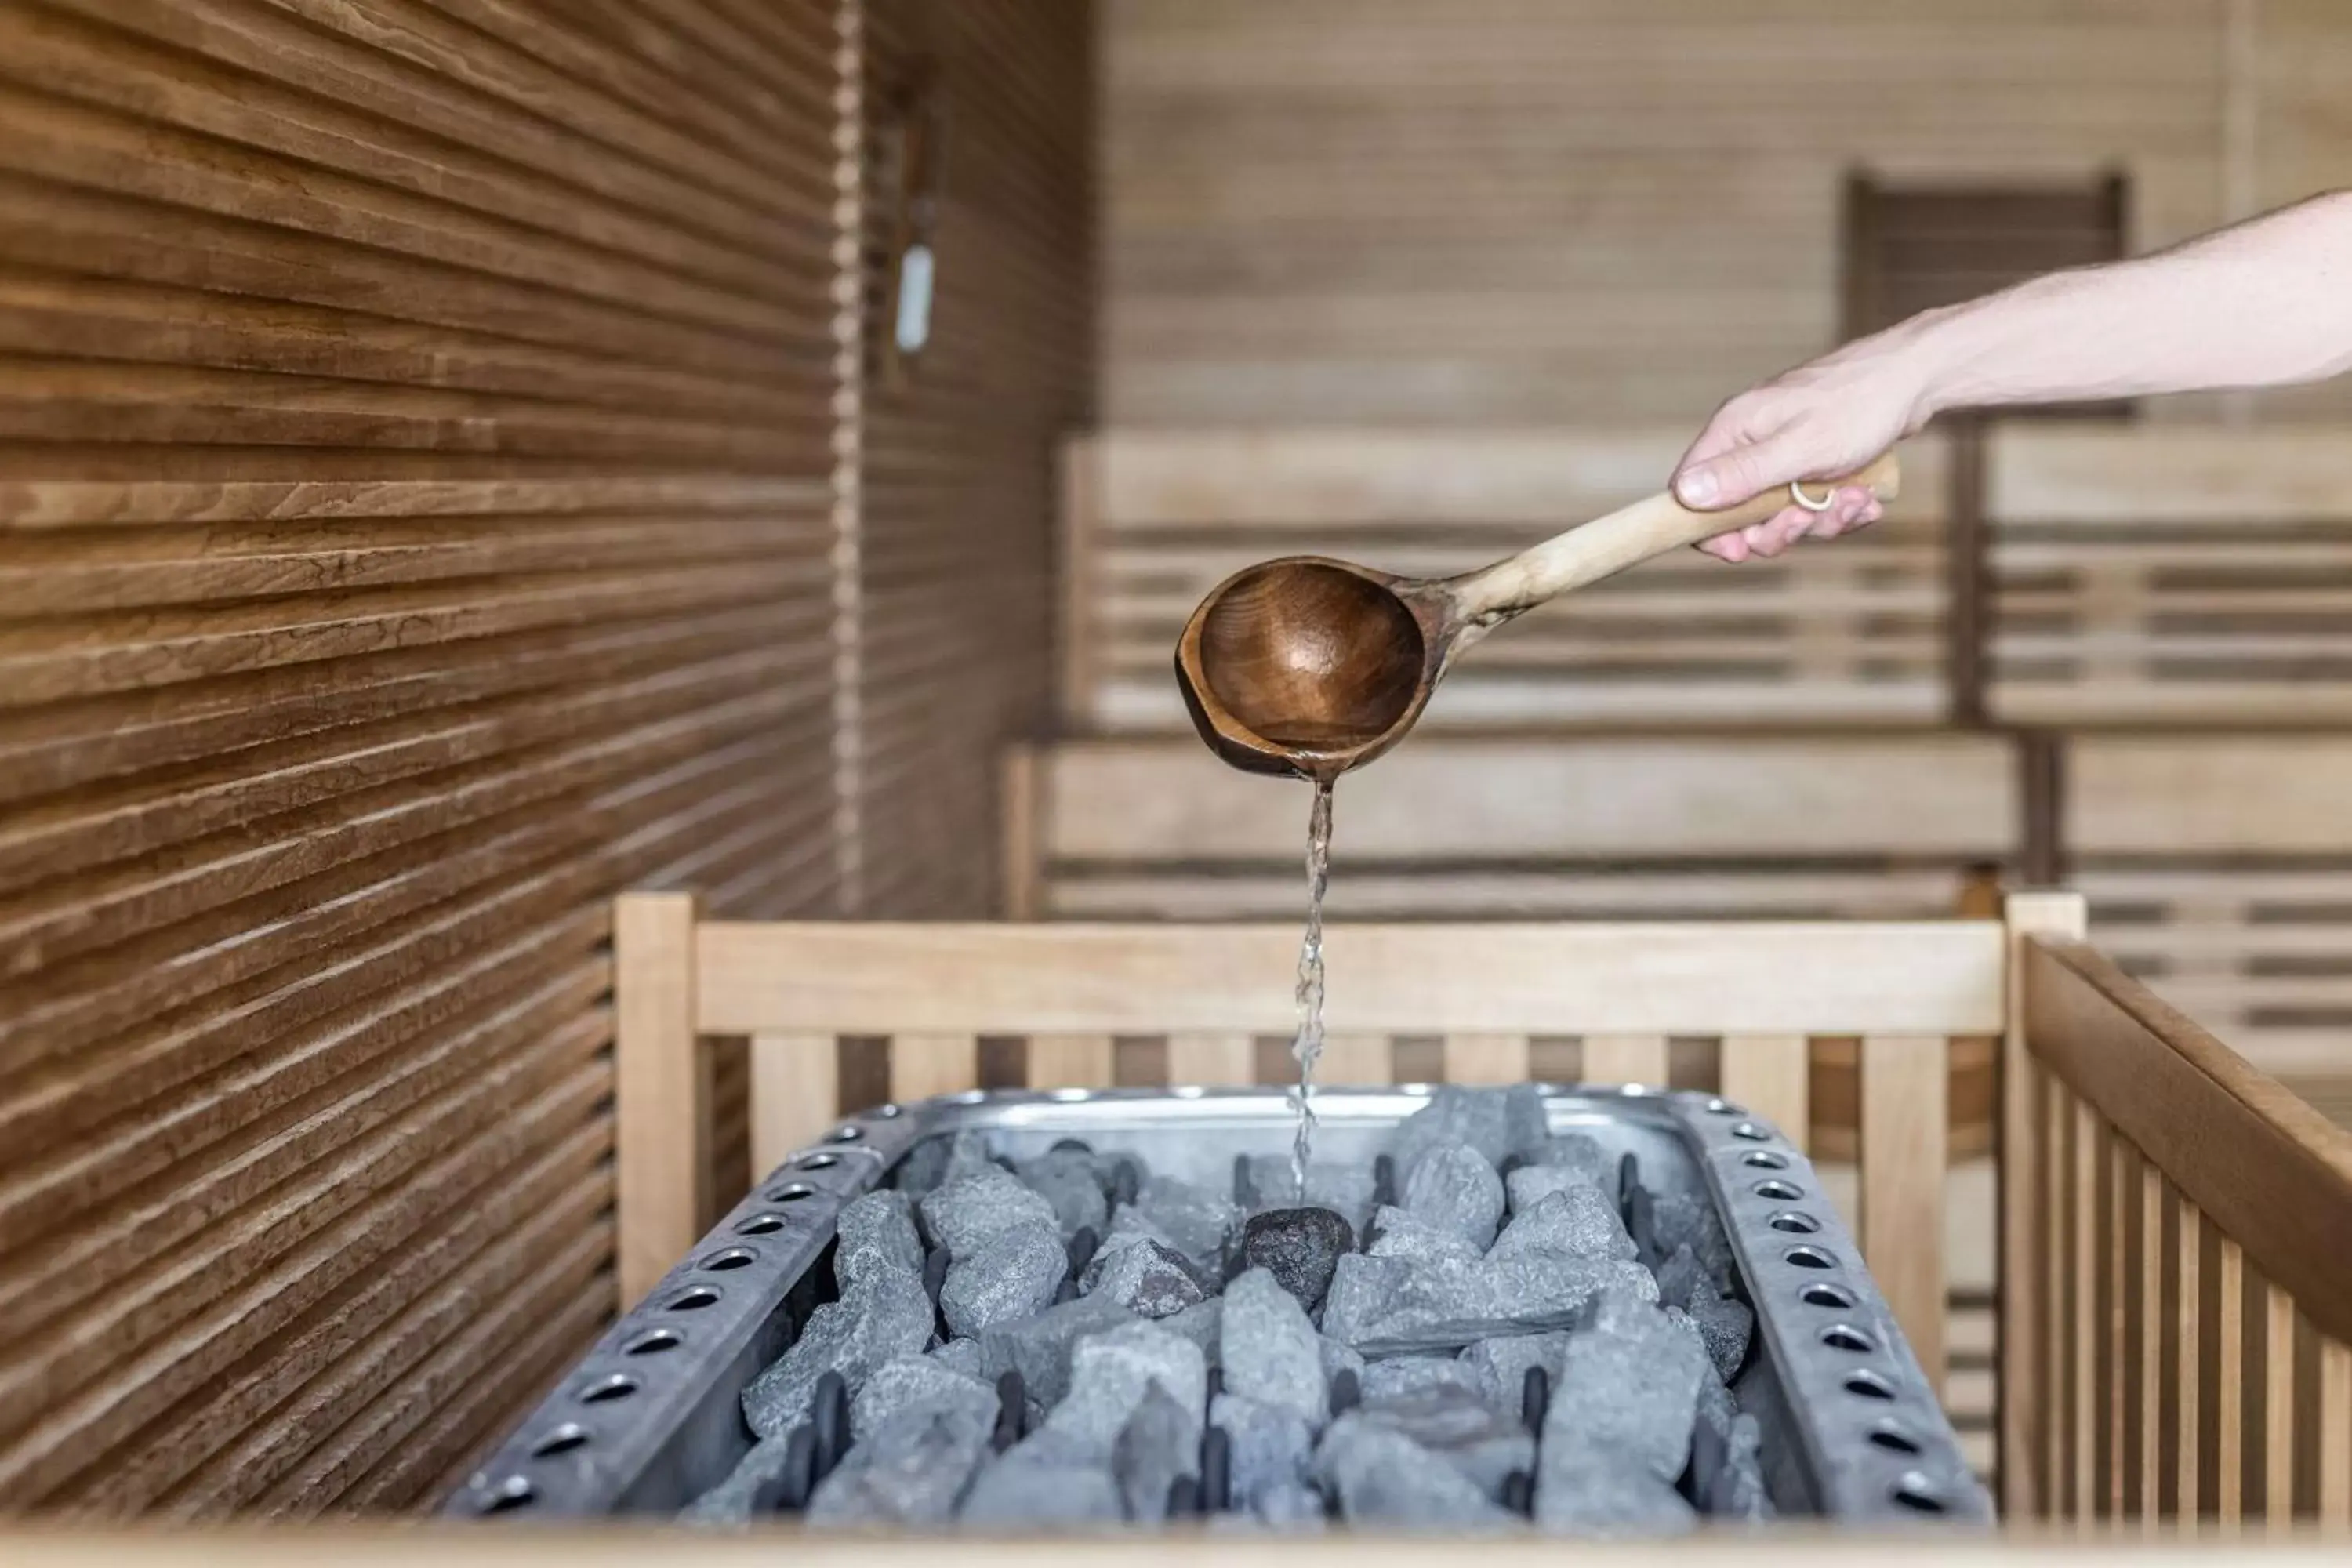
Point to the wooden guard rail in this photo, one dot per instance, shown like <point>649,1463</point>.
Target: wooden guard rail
<point>931,995</point>
<point>2177,1270</point>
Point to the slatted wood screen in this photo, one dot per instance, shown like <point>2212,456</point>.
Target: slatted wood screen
<point>2172,577</point>
<point>421,517</point>
<point>1156,519</point>
<point>2217,870</point>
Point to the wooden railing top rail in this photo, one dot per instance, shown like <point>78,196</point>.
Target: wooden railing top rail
<point>2271,1171</point>
<point>1938,977</point>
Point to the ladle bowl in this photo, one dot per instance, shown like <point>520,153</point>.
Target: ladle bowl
<point>1307,666</point>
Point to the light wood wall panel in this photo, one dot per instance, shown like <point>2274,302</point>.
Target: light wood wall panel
<point>1491,212</point>
<point>958,452</point>
<point>416,424</point>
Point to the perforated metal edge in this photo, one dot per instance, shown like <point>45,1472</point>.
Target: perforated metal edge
<point>588,1450</point>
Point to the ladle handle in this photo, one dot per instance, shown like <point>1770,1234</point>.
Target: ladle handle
<point>1607,545</point>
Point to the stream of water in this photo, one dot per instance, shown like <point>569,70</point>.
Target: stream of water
<point>1307,1046</point>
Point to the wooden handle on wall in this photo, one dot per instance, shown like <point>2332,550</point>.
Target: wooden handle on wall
<point>1628,537</point>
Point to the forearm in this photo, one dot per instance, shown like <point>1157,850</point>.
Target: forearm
<point>2267,303</point>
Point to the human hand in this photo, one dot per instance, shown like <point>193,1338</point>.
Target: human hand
<point>1825,418</point>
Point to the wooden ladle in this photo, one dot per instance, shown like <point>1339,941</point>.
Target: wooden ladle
<point>1309,666</point>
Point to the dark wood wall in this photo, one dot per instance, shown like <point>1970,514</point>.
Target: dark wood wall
<point>429,503</point>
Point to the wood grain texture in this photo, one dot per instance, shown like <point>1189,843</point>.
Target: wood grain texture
<point>1849,636</point>
<point>423,517</point>
<point>1495,214</point>
<point>2269,1172</point>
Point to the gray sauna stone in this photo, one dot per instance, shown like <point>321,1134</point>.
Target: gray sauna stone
<point>1009,1277</point>
<point>1269,1350</point>
<point>1454,1188</point>
<point>912,1470</point>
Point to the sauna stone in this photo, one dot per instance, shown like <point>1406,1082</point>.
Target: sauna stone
<point>1628,1386</point>
<point>1685,1219</point>
<point>1453,1188</point>
<point>876,1231</point>
<point>916,1383</point>
<point>959,1355</point>
<point>1498,1123</point>
<point>1269,1350</point>
<point>911,1470</point>
<point>1192,1221</point>
<point>1271,1445</point>
<point>1160,1442</point>
<point>1203,1325</point>
<point>1145,1276</point>
<point>1109,1373</point>
<point>1497,1368</point>
<point>1039,1349</point>
<point>881,1316</point>
<point>1574,1221</point>
<point>1044,1481</point>
<point>1381,1476</point>
<point>1071,1181</point>
<point>964,1215</point>
<point>1397,1234</point>
<point>1013,1277</point>
<point>1344,1189</point>
<point>1300,1247</point>
<point>1455,1424</point>
<point>1409,1374</point>
<point>1591,1491</point>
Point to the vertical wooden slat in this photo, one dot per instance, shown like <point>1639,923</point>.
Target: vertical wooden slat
<point>2278,1406</point>
<point>1771,1076</point>
<point>795,1095</point>
<point>2228,1381</point>
<point>1485,1058</point>
<point>1361,1060</point>
<point>2056,1301</point>
<point>2188,1441</point>
<point>1903,1125</point>
<point>2085,1310</point>
<point>2031,1121</point>
<point>1211,1059</point>
<point>2147,1435</point>
<point>1625,1058</point>
<point>923,1064</point>
<point>1020,876</point>
<point>659,1168</point>
<point>2334,1435</point>
<point>1070,1062</point>
<point>2115,1378</point>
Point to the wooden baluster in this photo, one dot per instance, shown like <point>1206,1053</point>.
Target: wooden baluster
<point>795,1095</point>
<point>2084,1327</point>
<point>2147,1435</point>
<point>1361,1061</point>
<point>1771,1076</point>
<point>1070,1062</point>
<point>1486,1058</point>
<point>1625,1058</point>
<point>2278,1406</point>
<point>2115,1375</point>
<point>2058,1285</point>
<point>1903,1124</point>
<point>2189,1439</point>
<point>2335,1436</point>
<point>1214,1060</point>
<point>662,1174</point>
<point>923,1064</point>
<point>2229,1382</point>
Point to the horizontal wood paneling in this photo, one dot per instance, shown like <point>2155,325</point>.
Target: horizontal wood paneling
<point>956,483</point>
<point>415,526</point>
<point>1491,213</point>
